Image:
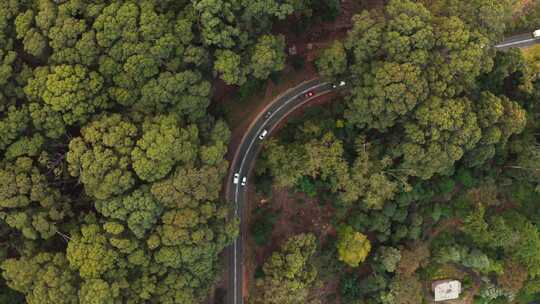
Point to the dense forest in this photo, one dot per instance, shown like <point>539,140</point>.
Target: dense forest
<point>430,162</point>
<point>112,164</point>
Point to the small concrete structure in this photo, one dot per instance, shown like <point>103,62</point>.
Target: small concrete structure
<point>446,290</point>
<point>292,50</point>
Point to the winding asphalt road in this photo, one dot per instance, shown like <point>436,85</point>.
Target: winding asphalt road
<point>244,159</point>
<point>518,41</point>
<point>250,145</point>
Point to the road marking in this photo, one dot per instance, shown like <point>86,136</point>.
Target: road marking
<point>235,276</point>
<point>259,130</point>
<point>271,115</point>
<point>240,171</point>
<point>516,42</point>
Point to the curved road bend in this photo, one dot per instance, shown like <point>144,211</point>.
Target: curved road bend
<point>246,154</point>
<point>242,163</point>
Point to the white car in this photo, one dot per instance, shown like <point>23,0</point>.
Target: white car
<point>244,181</point>
<point>263,134</point>
<point>536,34</point>
<point>340,84</point>
<point>236,178</point>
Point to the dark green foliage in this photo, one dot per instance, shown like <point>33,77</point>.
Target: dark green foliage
<point>10,296</point>
<point>327,10</point>
<point>298,62</point>
<point>250,88</point>
<point>289,273</point>
<point>465,177</point>
<point>445,186</point>
<point>110,166</point>
<point>263,224</point>
<point>350,287</point>
<point>306,185</point>
<point>327,260</point>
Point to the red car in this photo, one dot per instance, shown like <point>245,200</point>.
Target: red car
<point>309,94</point>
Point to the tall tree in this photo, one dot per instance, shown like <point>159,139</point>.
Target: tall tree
<point>288,274</point>
<point>353,246</point>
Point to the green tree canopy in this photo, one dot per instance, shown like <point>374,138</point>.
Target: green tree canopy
<point>353,246</point>
<point>288,273</point>
<point>101,156</point>
<point>44,278</point>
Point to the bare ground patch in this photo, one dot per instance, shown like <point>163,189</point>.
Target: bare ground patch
<point>297,214</point>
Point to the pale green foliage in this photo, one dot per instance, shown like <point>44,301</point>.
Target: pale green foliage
<point>369,180</point>
<point>268,56</point>
<point>221,21</point>
<point>218,22</point>
<point>333,60</point>
<point>27,203</point>
<point>101,157</point>
<point>139,209</point>
<point>412,69</point>
<point>212,153</point>
<point>44,278</point>
<point>365,37</point>
<point>392,91</point>
<point>90,253</point>
<point>404,290</point>
<point>318,158</point>
<point>389,257</point>
<point>439,136</point>
<point>487,16</point>
<point>229,65</point>
<point>147,60</point>
<point>46,120</point>
<point>185,93</point>
<point>6,65</point>
<point>353,246</point>
<point>33,41</point>
<point>288,273</point>
<point>163,144</point>
<point>73,91</point>
<point>95,291</point>
<point>12,125</point>
<point>103,110</point>
<point>472,258</point>
<point>25,146</point>
<point>499,118</point>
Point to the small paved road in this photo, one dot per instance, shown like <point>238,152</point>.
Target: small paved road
<point>250,145</point>
<point>243,161</point>
<point>518,41</point>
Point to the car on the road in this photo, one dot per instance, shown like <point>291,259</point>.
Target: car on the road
<point>267,114</point>
<point>536,34</point>
<point>338,84</point>
<point>236,178</point>
<point>309,94</point>
<point>263,134</point>
<point>244,181</point>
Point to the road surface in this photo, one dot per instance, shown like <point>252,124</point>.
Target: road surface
<point>518,41</point>
<point>243,160</point>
